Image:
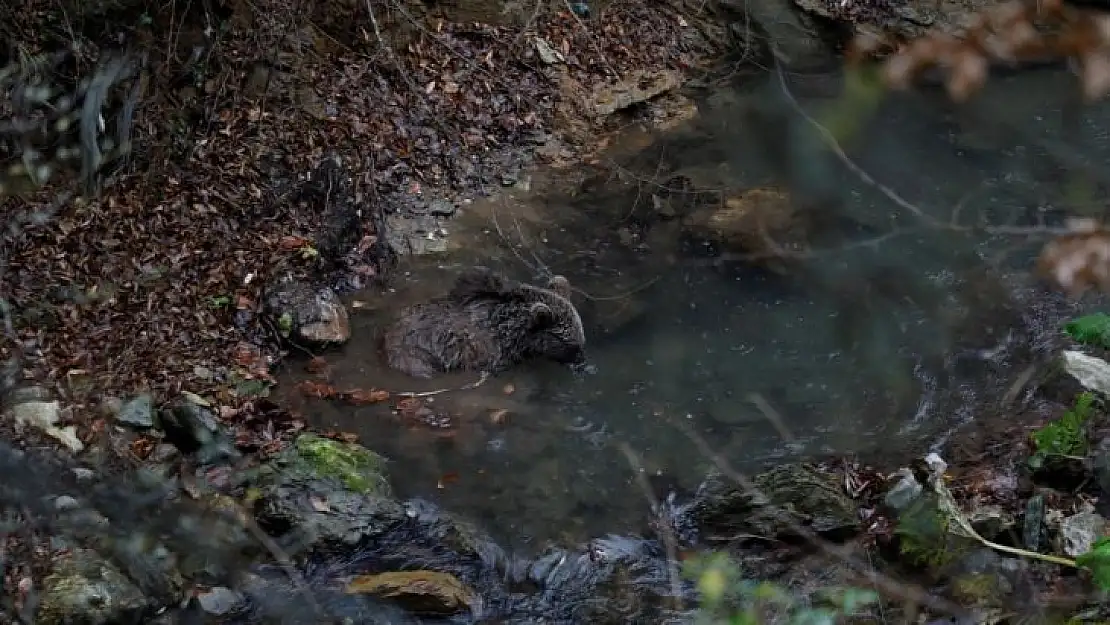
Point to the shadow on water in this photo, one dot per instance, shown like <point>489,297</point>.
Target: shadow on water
<point>880,342</point>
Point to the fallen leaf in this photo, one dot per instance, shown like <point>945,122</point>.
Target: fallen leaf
<point>319,390</point>
<point>360,397</point>
<point>290,243</point>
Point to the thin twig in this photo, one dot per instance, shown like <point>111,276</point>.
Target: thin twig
<point>466,387</point>
<point>670,543</point>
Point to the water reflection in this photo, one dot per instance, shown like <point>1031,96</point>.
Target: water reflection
<point>870,346</point>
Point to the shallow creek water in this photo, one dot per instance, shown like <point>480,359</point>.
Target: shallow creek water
<point>536,453</point>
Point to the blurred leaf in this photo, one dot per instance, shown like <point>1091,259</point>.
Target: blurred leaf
<point>1097,560</point>
<point>1065,436</point>
<point>1091,330</point>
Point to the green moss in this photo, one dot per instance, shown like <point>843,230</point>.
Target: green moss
<point>977,589</point>
<point>1065,436</point>
<point>358,468</point>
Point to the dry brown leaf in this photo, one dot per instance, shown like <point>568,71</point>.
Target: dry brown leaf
<point>319,390</point>
<point>291,243</point>
<point>361,397</point>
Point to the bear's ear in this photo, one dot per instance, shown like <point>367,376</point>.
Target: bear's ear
<point>542,315</point>
<point>478,281</point>
<point>559,285</point>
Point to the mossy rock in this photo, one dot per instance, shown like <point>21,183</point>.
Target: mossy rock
<point>788,496</point>
<point>321,494</point>
<point>356,467</point>
<point>86,588</point>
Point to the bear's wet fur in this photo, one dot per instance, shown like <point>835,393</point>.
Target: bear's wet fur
<point>486,323</point>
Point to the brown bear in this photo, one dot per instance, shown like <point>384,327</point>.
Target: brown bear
<point>486,323</point>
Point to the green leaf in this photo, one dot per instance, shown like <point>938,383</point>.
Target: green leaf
<point>1097,561</point>
<point>1065,436</point>
<point>1091,330</point>
<point>219,302</point>
<point>285,324</point>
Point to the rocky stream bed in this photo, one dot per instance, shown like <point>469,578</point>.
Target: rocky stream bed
<point>153,474</point>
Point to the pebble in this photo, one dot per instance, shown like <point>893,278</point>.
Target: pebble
<point>220,600</point>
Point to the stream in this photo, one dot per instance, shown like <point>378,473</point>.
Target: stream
<point>889,340</point>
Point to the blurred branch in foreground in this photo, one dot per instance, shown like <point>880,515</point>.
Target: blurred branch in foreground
<point>48,128</point>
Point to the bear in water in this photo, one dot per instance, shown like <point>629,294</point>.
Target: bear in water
<point>486,323</point>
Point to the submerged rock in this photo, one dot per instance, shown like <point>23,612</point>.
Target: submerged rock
<point>85,588</point>
<point>419,592</point>
<point>790,496</point>
<point>614,580</point>
<point>754,223</point>
<point>307,314</point>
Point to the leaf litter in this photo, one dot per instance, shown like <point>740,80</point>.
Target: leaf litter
<point>155,284</point>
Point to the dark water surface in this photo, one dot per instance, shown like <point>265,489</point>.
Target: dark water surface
<point>889,346</point>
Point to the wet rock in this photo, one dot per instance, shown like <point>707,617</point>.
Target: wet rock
<point>138,413</point>
<point>1079,532</point>
<point>904,493</point>
<point>1093,373</point>
<point>754,223</point>
<point>453,532</point>
<point>356,467</point>
<point>272,600</point>
<point>220,601</point>
<point>84,588</point>
<point>416,235</point>
<point>322,494</point>
<point>790,495</point>
<point>984,578</point>
<point>194,430</point>
<point>307,314</point>
<point>419,592</point>
<point>613,580</point>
